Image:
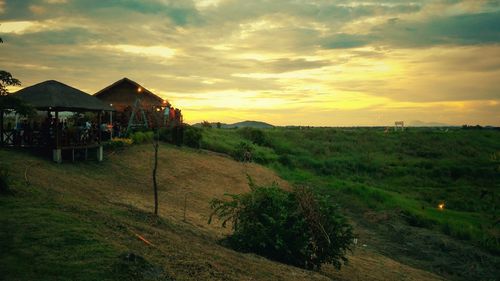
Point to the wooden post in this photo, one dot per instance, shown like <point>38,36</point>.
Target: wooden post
<point>185,205</point>
<point>56,151</point>
<point>99,115</point>
<point>111,123</point>
<point>1,127</point>
<point>56,123</point>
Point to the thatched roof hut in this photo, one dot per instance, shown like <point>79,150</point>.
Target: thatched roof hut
<point>123,93</point>
<point>54,96</point>
<point>57,96</point>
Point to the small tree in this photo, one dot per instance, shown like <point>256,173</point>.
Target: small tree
<point>157,114</point>
<point>206,124</point>
<point>301,228</point>
<point>8,102</point>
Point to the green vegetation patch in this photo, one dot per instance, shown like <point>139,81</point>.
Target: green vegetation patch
<point>301,228</point>
<point>42,241</point>
<point>368,168</point>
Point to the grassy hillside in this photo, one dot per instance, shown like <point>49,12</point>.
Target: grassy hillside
<point>393,182</point>
<point>90,221</point>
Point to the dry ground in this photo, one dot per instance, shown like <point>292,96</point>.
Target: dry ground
<point>186,250</point>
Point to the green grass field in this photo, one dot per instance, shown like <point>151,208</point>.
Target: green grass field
<point>411,171</point>
<point>79,221</point>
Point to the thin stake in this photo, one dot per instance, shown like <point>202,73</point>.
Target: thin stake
<point>185,204</point>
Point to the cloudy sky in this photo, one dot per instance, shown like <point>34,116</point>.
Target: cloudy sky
<point>301,62</point>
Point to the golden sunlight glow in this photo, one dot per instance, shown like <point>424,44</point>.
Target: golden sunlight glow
<point>17,27</point>
<point>204,4</point>
<point>146,51</point>
<point>300,63</point>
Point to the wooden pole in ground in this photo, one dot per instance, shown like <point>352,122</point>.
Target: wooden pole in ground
<point>99,116</point>
<point>56,123</point>
<point>155,184</point>
<point>56,151</point>
<point>185,205</point>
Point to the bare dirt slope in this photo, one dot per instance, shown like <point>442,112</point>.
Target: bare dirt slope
<point>118,196</point>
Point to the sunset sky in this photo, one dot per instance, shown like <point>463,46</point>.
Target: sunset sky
<point>297,62</point>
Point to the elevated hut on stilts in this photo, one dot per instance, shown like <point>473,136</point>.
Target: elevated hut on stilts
<point>51,98</point>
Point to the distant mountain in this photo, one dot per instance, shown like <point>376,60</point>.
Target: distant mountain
<point>249,124</point>
<point>418,123</point>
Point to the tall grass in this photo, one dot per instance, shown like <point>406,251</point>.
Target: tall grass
<point>411,171</point>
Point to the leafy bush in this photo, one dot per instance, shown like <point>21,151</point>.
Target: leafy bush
<point>300,228</point>
<point>166,135</point>
<point>142,137</point>
<point>117,143</point>
<point>137,137</point>
<point>243,152</point>
<point>192,136</point>
<point>254,135</point>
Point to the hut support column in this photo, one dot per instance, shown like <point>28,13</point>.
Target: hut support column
<point>1,127</point>
<point>57,152</point>
<point>111,123</point>
<point>99,148</point>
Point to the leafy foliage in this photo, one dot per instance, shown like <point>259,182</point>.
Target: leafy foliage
<point>254,135</point>
<point>243,152</point>
<point>410,171</point>
<point>192,136</point>
<point>206,124</point>
<point>118,143</point>
<point>142,137</point>
<point>300,228</point>
<point>6,80</point>
<point>9,102</point>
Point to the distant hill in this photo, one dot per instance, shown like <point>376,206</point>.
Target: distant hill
<point>418,123</point>
<point>250,124</point>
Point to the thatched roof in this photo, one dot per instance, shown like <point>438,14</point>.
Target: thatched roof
<point>55,95</point>
<point>125,92</point>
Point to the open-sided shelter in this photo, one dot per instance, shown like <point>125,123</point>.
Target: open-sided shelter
<point>133,103</point>
<point>53,96</point>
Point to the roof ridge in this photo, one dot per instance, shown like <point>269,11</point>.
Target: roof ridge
<point>125,79</point>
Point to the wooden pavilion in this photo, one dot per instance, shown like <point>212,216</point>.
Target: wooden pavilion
<point>55,97</point>
<point>133,104</point>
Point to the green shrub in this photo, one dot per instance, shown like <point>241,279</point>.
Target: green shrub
<point>142,137</point>
<point>137,137</point>
<point>148,136</point>
<point>254,135</point>
<point>300,228</point>
<point>118,143</point>
<point>243,151</point>
<point>192,136</point>
<point>166,135</point>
